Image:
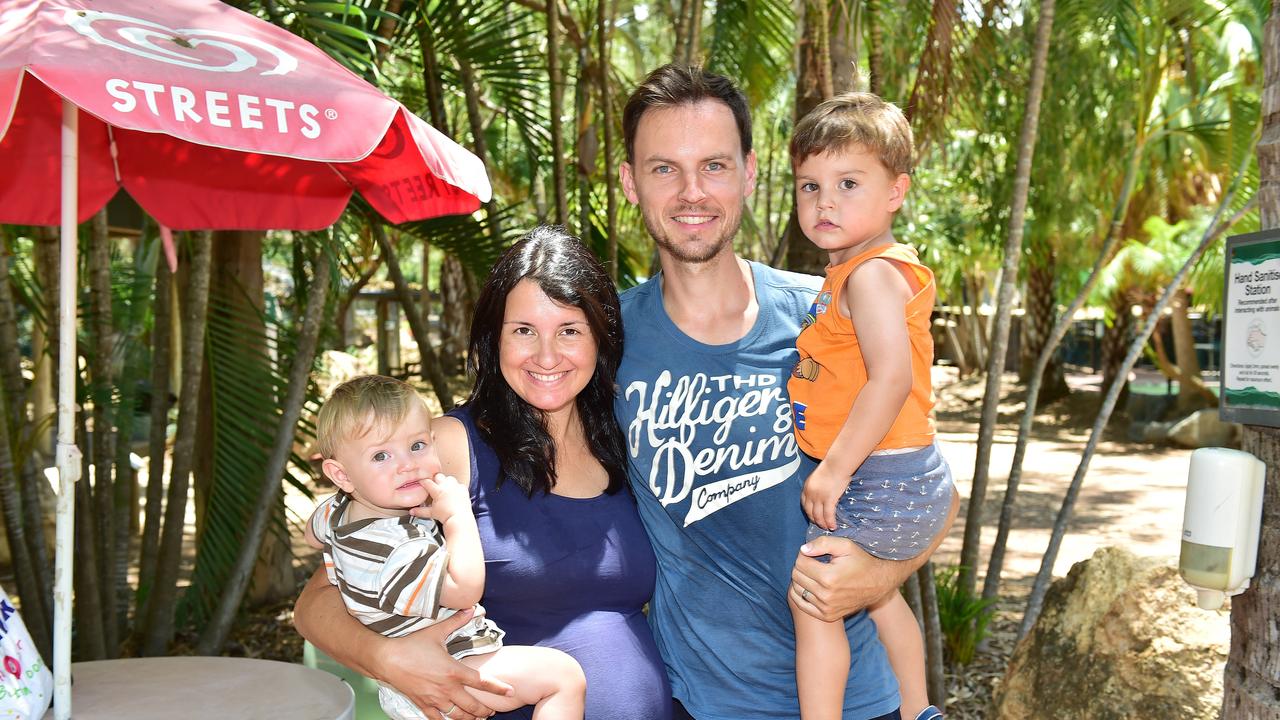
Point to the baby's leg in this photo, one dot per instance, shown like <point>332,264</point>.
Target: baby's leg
<point>822,665</point>
<point>548,679</point>
<point>900,634</point>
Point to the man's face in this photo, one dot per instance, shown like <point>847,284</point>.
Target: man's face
<point>690,179</point>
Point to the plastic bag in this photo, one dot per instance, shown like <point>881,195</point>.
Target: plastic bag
<point>26,684</point>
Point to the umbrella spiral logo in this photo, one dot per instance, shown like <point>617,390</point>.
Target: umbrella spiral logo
<point>180,46</point>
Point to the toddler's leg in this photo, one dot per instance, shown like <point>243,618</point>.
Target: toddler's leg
<point>896,625</point>
<point>548,679</point>
<point>822,665</point>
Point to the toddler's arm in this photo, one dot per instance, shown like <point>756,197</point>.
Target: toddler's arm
<point>876,297</point>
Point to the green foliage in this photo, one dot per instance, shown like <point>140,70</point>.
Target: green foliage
<point>249,356</point>
<point>963,617</point>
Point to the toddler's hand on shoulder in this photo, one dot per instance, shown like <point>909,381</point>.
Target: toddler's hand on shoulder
<point>822,490</point>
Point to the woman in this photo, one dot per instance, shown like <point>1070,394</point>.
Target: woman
<point>567,562</point>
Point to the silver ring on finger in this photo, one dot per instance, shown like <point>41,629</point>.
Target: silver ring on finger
<point>804,594</point>
<point>445,713</point>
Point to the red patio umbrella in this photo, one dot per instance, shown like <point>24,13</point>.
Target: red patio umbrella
<point>209,118</point>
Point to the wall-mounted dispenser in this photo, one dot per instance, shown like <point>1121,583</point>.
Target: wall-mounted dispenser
<point>1220,523</point>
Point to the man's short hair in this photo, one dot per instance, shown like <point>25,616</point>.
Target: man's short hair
<point>858,119</point>
<point>672,85</point>
<point>360,405</point>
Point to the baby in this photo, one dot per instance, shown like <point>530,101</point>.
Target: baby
<point>397,573</point>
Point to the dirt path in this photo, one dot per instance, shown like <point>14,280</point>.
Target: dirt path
<point>1132,497</point>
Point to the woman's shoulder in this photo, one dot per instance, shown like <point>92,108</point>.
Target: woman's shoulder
<point>453,446</point>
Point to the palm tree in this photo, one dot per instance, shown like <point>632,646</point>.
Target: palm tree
<point>1251,683</point>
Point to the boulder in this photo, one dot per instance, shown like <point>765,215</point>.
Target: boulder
<point>1119,637</point>
<point>1203,428</point>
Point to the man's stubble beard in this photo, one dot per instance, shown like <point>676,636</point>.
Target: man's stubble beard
<point>684,252</point>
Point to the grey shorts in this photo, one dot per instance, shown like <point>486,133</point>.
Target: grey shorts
<point>895,505</point>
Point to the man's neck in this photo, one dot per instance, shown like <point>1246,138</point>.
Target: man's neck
<point>712,302</point>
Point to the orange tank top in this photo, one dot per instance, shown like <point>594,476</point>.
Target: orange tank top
<point>831,371</point>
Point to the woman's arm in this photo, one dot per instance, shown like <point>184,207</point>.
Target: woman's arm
<point>416,665</point>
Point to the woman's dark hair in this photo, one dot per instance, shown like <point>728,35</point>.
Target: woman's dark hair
<point>570,275</point>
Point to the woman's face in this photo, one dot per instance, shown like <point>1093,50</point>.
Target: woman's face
<point>546,350</point>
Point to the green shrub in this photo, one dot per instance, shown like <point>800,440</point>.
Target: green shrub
<point>963,616</point>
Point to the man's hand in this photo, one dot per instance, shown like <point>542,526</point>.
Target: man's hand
<point>853,580</point>
<point>418,666</point>
<point>822,491</point>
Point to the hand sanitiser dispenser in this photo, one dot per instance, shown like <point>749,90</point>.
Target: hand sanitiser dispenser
<point>1220,523</point>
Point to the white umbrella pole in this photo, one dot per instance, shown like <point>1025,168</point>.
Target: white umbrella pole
<point>68,455</point>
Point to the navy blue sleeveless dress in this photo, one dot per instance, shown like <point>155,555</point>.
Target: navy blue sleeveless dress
<point>572,574</point>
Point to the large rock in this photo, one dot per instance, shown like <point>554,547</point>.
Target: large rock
<point>1119,638</point>
<point>1204,428</point>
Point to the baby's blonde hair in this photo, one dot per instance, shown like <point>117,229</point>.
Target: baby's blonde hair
<point>359,405</point>
<point>856,119</point>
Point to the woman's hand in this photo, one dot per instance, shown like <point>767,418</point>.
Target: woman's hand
<point>418,666</point>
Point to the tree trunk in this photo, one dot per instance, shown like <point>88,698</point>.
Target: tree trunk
<point>99,355</point>
<point>161,359</point>
<point>935,668</point>
<point>455,309</point>
<point>1216,227</point>
<point>1115,338</point>
<point>431,370</point>
<point>43,394</point>
<point>875,46</point>
<point>587,143</point>
<point>30,594</point>
<point>352,291</point>
<point>1191,387</point>
<point>930,96</point>
<point>1251,683</point>
<point>1004,304</point>
<point>1252,679</point>
<point>26,481</point>
<point>1040,305</point>
<point>814,84</point>
<point>269,493</point>
<point>87,608</point>
<point>163,598</point>
<point>557,111</point>
<point>604,31</point>
<point>134,361</point>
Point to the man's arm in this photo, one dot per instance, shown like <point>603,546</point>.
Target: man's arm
<point>853,579</point>
<point>416,665</point>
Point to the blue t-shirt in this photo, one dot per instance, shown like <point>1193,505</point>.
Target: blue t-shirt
<point>717,476</point>
<point>571,574</point>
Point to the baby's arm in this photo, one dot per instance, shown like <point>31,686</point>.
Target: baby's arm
<point>317,515</point>
<point>464,581</point>
<point>876,296</point>
<point>464,575</point>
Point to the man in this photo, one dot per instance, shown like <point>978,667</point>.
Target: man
<point>716,471</point>
<point>715,466</point>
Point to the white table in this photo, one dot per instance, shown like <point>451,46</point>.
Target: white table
<point>205,688</point>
